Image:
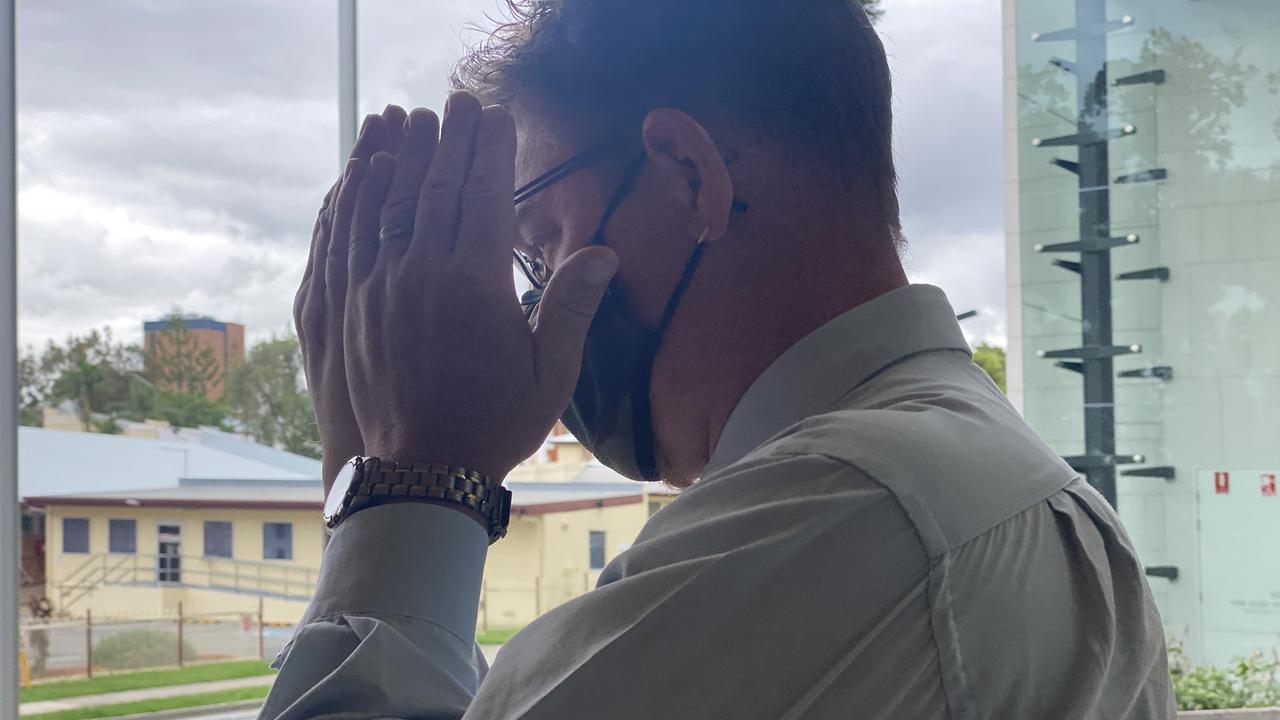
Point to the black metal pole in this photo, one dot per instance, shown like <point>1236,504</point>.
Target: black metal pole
<point>1095,267</point>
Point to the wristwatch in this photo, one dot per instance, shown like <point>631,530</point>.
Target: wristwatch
<point>366,482</point>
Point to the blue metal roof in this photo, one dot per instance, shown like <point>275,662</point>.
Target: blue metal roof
<point>58,462</point>
<point>190,323</point>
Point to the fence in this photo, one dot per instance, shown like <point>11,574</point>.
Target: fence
<point>509,605</point>
<point>89,645</point>
<point>286,581</point>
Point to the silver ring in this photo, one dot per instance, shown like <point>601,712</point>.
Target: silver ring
<point>393,231</point>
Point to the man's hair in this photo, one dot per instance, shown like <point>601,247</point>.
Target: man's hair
<point>809,74</point>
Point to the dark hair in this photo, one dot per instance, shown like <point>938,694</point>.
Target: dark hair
<point>810,73</point>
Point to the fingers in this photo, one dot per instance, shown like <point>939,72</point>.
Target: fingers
<point>335,264</point>
<point>568,306</point>
<point>363,251</point>
<point>487,226</point>
<point>394,117</point>
<point>415,157</point>
<point>372,138</point>
<point>436,221</point>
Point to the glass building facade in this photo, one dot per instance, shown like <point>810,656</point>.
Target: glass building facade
<point>1143,245</point>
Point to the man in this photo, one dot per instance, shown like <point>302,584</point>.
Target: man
<point>707,215</point>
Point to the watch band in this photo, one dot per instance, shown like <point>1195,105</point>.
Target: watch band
<point>385,481</point>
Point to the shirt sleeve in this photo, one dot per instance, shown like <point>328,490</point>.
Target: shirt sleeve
<point>391,629</point>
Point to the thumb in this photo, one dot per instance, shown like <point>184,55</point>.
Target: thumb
<point>565,313</point>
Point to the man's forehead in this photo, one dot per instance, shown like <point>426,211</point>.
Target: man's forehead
<point>537,150</point>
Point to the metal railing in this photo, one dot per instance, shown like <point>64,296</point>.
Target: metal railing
<point>266,579</point>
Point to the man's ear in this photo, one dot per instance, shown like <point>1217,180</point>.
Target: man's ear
<point>678,147</point>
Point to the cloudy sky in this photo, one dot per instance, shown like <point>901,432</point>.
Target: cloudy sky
<point>172,154</point>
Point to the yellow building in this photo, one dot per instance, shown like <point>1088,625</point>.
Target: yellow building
<point>218,545</point>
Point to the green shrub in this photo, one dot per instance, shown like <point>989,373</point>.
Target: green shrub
<point>139,649</point>
<point>1247,683</point>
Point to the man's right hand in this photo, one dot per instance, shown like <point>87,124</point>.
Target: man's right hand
<point>318,307</point>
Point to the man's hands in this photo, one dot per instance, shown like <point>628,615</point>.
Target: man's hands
<point>440,363</point>
<point>320,302</point>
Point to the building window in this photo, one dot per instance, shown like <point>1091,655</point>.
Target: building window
<point>75,535</point>
<point>122,536</point>
<point>597,549</point>
<point>217,538</point>
<point>277,541</point>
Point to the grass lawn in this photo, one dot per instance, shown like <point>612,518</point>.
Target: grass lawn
<point>144,679</point>
<point>496,636</point>
<point>156,705</point>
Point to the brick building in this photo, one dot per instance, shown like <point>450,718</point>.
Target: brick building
<point>224,340</point>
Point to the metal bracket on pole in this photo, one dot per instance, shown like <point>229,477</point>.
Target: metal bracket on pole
<point>1074,367</point>
<point>1155,273</point>
<point>1168,572</point>
<point>1067,165</point>
<point>1154,77</point>
<point>1076,33</point>
<point>1161,471</point>
<point>1091,352</point>
<point>1068,265</point>
<point>1091,137</point>
<point>1145,176</point>
<point>1089,245</point>
<point>1084,463</point>
<point>1163,372</point>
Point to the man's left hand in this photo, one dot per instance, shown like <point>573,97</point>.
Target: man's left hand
<point>441,363</point>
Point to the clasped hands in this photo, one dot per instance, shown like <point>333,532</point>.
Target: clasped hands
<point>414,344</point>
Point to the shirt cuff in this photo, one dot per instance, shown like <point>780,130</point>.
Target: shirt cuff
<point>408,559</point>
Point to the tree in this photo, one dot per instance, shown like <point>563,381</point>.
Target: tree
<point>91,371</point>
<point>33,388</point>
<point>991,358</point>
<point>177,362</point>
<point>179,373</point>
<point>267,395</point>
<point>147,400</point>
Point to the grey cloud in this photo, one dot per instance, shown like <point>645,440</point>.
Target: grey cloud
<point>218,121</point>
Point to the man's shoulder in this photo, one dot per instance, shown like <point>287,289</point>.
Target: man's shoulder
<point>958,464</point>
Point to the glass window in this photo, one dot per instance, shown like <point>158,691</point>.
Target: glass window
<point>122,536</point>
<point>217,538</point>
<point>596,542</point>
<point>277,541</point>
<point>75,535</point>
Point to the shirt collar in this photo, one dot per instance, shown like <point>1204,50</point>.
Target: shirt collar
<point>828,363</point>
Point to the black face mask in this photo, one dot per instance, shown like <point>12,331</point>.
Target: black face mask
<point>609,412</point>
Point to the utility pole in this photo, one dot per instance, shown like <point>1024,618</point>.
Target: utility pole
<point>348,81</point>
<point>10,520</point>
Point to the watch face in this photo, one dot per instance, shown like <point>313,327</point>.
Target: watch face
<point>338,492</point>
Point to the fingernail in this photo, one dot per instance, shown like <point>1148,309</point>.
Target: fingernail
<point>364,127</point>
<point>351,166</point>
<point>600,268</point>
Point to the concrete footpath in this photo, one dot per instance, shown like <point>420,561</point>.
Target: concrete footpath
<point>83,701</point>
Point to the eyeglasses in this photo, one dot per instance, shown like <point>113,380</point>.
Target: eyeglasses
<point>535,268</point>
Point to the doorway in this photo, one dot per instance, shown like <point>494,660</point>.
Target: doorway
<point>169,553</point>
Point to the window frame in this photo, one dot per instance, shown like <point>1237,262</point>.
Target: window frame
<point>231,535</point>
<point>266,537</point>
<point>592,535</point>
<point>88,535</point>
<point>111,538</point>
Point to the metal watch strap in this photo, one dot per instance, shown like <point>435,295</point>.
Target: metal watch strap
<point>386,481</point>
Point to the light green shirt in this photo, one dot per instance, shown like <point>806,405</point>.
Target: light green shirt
<point>878,535</point>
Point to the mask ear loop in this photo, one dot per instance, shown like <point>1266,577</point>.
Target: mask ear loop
<point>641,413</point>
